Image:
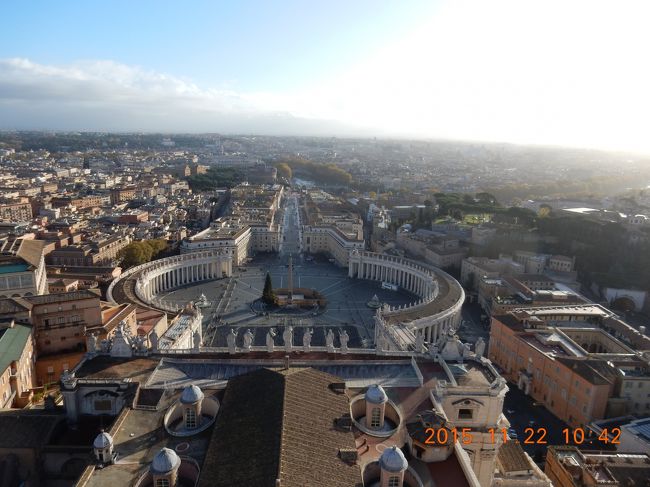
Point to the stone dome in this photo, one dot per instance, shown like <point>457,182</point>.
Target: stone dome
<point>393,460</point>
<point>165,461</point>
<point>376,394</point>
<point>103,440</point>
<point>191,395</point>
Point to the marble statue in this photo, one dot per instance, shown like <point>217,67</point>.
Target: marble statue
<point>419,341</point>
<point>344,338</point>
<point>287,337</point>
<point>248,340</point>
<point>433,350</point>
<point>197,340</point>
<point>140,344</point>
<point>479,348</point>
<point>121,346</point>
<point>231,339</point>
<point>306,340</point>
<point>153,340</point>
<point>329,341</point>
<point>270,343</point>
<point>91,343</point>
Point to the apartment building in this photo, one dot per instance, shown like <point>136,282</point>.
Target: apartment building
<point>575,368</point>
<point>17,210</point>
<point>97,252</point>
<point>568,466</point>
<point>332,241</point>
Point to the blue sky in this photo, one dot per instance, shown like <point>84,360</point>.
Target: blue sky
<point>248,45</point>
<point>562,72</point>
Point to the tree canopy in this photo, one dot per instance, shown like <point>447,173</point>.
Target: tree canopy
<point>215,178</point>
<point>284,170</point>
<point>137,253</point>
<point>320,172</point>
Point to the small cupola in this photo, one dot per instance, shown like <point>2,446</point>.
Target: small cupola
<point>376,400</point>
<point>103,448</point>
<point>164,468</point>
<point>191,401</point>
<point>393,465</point>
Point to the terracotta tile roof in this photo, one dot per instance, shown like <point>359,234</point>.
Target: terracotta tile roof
<point>31,251</point>
<point>14,305</point>
<point>512,458</point>
<point>27,429</point>
<point>596,371</point>
<point>510,321</point>
<point>280,425</point>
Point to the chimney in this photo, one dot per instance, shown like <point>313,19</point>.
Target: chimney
<point>286,362</point>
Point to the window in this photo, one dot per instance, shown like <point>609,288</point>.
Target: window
<point>190,418</point>
<point>393,481</point>
<point>465,414</point>
<point>162,482</point>
<point>375,418</point>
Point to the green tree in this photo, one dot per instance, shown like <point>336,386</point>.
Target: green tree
<point>132,255</point>
<point>137,253</point>
<point>268,296</point>
<point>284,170</point>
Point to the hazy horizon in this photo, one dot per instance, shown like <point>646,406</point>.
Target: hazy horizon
<point>522,72</point>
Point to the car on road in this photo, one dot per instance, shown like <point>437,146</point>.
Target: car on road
<point>512,434</point>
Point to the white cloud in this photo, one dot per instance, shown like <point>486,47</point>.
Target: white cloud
<point>524,71</point>
<point>105,95</point>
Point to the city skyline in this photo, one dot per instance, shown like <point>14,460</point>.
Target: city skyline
<point>518,72</point>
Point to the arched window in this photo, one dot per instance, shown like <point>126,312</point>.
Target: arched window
<point>375,418</point>
<point>393,481</point>
<point>162,482</point>
<point>190,418</point>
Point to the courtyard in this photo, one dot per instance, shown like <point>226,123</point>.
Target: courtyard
<point>233,302</point>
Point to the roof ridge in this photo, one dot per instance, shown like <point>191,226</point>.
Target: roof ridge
<point>278,477</point>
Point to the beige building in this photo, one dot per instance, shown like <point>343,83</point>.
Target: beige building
<point>250,227</point>
<point>473,269</point>
<point>515,468</point>
<point>19,210</point>
<point>574,367</point>
<point>332,241</point>
<point>97,252</point>
<point>225,234</point>
<point>568,466</point>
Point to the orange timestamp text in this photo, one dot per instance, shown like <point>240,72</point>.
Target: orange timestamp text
<point>442,436</point>
<point>533,436</point>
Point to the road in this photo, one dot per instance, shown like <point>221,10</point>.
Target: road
<point>291,234</point>
<point>471,327</point>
